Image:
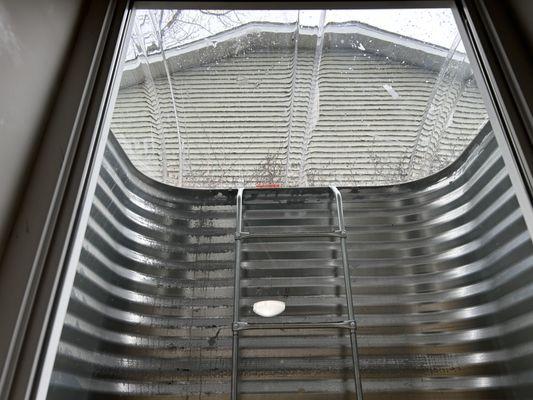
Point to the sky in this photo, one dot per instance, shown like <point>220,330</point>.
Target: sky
<point>435,26</point>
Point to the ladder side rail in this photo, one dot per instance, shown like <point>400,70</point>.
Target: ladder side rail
<point>236,297</point>
<point>348,292</point>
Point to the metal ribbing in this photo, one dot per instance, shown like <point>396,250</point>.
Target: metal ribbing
<point>441,272</point>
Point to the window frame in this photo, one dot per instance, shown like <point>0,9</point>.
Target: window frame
<point>38,267</point>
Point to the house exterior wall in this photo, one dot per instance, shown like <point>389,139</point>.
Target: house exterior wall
<point>235,117</point>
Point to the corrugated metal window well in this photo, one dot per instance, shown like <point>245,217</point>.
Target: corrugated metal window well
<point>299,204</point>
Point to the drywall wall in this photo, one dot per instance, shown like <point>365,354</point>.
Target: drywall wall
<point>35,37</point>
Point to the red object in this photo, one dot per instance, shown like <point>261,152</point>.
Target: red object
<point>267,185</point>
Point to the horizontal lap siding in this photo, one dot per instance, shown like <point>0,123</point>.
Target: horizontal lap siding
<point>235,113</point>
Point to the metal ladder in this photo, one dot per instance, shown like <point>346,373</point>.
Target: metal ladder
<point>239,325</point>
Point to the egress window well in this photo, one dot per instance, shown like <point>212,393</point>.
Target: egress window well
<point>221,261</point>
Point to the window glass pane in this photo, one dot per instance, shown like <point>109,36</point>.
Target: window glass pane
<point>432,243</point>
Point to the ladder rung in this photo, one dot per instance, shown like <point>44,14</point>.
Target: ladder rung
<point>248,235</point>
<point>243,326</point>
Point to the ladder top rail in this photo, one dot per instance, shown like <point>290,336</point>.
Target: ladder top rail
<point>238,222</point>
<point>338,201</point>
<point>340,212</point>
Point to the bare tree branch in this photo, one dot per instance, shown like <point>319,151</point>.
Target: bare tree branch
<point>217,13</point>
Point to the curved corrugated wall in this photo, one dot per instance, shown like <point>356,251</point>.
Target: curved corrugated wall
<point>442,277</point>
